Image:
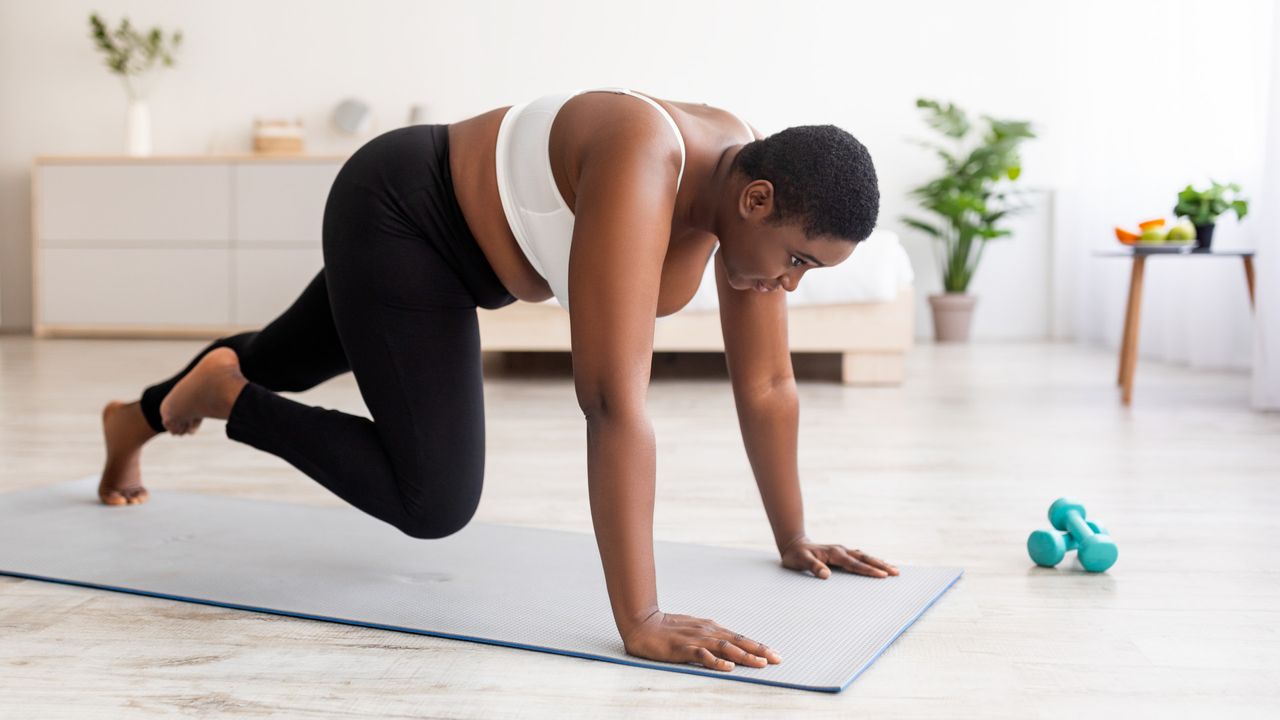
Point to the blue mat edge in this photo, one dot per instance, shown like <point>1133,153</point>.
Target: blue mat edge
<point>898,634</point>
<point>666,667</point>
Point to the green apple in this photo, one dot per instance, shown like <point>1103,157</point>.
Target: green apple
<point>1182,232</point>
<point>1152,236</point>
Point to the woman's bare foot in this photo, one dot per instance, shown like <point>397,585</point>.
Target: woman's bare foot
<point>125,430</point>
<point>209,390</point>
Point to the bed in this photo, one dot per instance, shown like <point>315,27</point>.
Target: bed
<point>860,309</point>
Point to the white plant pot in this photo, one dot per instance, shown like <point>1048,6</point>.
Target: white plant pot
<point>138,128</point>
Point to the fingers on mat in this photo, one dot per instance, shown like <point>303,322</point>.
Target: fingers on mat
<point>817,567</point>
<point>874,561</point>
<point>852,564</point>
<point>702,655</point>
<point>731,648</point>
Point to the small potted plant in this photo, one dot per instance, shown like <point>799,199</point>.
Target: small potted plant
<point>1202,208</point>
<point>970,199</point>
<point>134,56</point>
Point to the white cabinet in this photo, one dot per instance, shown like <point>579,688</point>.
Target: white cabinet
<point>135,287</point>
<point>174,245</point>
<point>102,204</point>
<point>281,203</point>
<point>269,279</point>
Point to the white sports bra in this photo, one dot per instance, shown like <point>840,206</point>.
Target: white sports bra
<point>539,218</point>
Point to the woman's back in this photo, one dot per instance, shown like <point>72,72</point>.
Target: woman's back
<point>539,217</point>
<point>536,244</point>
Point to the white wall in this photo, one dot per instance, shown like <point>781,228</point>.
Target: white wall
<point>1149,100</point>
<point>1266,347</point>
<point>1091,76</point>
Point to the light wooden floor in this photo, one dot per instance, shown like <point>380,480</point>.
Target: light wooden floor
<point>955,467</point>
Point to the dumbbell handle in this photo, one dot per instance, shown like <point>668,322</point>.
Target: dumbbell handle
<point>1080,529</point>
<point>1096,552</point>
<point>1070,540</point>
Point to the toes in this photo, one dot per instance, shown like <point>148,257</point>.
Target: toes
<point>126,496</point>
<point>113,498</point>
<point>183,426</point>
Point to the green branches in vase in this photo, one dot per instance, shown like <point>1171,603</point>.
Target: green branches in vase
<point>133,55</point>
<point>136,57</point>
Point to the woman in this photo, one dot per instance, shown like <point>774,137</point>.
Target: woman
<point>424,224</point>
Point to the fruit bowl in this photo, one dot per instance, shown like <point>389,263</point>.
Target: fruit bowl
<point>1153,233</point>
<point>1164,247</point>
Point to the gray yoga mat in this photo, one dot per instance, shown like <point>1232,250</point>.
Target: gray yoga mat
<point>519,587</point>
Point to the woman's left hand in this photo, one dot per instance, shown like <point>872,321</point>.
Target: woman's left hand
<point>803,555</point>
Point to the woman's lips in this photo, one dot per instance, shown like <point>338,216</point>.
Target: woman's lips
<point>764,288</point>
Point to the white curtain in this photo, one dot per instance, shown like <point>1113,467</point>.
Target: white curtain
<point>1266,347</point>
<point>1134,124</point>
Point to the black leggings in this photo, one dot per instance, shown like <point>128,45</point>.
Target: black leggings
<point>395,304</point>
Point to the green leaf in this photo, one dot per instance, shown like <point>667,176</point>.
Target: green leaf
<point>922,226</point>
<point>128,51</point>
<point>945,118</point>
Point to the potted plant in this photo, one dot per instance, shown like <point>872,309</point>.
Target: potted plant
<point>1202,208</point>
<point>970,199</point>
<point>134,56</point>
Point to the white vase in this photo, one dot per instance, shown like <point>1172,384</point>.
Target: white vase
<point>138,127</point>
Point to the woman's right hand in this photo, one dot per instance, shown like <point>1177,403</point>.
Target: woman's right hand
<point>683,638</point>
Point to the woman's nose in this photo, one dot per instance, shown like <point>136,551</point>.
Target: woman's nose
<point>790,282</point>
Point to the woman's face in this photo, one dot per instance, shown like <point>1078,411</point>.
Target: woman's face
<point>764,257</point>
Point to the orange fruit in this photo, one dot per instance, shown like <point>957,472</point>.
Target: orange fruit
<point>1147,225</point>
<point>1126,237</point>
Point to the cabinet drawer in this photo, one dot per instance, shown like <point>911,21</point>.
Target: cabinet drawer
<point>268,280</point>
<point>169,203</point>
<point>134,286</point>
<point>282,203</point>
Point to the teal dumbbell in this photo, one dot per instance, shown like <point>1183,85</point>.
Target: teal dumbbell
<point>1093,545</point>
<point>1047,547</point>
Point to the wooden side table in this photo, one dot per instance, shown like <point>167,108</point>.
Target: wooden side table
<point>1139,255</point>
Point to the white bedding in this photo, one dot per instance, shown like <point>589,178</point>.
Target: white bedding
<point>875,272</point>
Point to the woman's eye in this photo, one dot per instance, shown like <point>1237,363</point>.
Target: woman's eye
<point>796,262</point>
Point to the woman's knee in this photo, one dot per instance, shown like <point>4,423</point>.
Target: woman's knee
<point>444,509</point>
<point>437,522</point>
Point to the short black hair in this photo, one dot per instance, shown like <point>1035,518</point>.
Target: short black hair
<point>821,175</point>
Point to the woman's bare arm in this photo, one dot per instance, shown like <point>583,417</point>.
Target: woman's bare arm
<point>758,355</point>
<point>622,223</point>
<point>625,195</point>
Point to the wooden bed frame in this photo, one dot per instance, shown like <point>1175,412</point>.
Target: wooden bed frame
<point>871,338</point>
